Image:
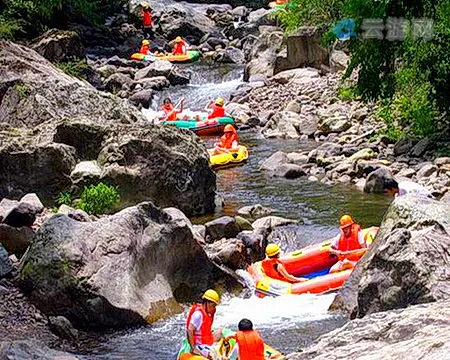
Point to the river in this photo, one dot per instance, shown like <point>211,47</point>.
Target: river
<point>288,323</point>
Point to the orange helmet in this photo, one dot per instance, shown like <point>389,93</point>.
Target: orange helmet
<point>228,128</point>
<point>346,220</point>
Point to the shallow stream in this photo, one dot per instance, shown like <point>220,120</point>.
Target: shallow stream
<point>288,323</point>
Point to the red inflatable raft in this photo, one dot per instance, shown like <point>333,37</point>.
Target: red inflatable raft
<point>312,262</point>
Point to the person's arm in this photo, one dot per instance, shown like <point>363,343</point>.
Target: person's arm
<point>282,270</point>
<point>190,339</point>
<point>208,106</point>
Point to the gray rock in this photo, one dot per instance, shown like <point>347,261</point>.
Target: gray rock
<point>283,124</point>
<point>117,82</point>
<point>143,98</point>
<point>273,162</point>
<point>34,202</point>
<point>442,161</point>
<point>376,180</point>
<point>334,124</point>
<point>338,60</point>
<point>255,211</point>
<point>297,158</point>
<point>6,206</point>
<point>426,171</point>
<point>16,241</point>
<point>421,147</point>
<point>116,271</point>
<point>75,214</point>
<point>417,332</point>
<point>404,145</point>
<point>229,252</point>
<point>289,171</point>
<point>60,46</point>
<point>27,349</point>
<point>5,263</point>
<point>294,106</point>
<point>325,150</point>
<point>85,171</point>
<point>23,214</point>
<point>297,76</point>
<point>223,227</point>
<point>62,327</point>
<point>269,223</point>
<point>154,83</point>
<point>163,68</point>
<point>243,223</point>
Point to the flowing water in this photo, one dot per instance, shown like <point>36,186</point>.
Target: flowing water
<point>288,323</point>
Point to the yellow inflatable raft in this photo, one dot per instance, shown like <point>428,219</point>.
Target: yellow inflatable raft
<point>227,159</point>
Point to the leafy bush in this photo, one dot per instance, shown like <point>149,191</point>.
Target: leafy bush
<point>64,198</point>
<point>347,93</point>
<point>98,199</point>
<point>77,69</point>
<point>9,28</point>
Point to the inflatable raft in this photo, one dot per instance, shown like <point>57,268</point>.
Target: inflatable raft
<point>312,262</point>
<point>203,127</point>
<point>191,56</point>
<point>228,159</point>
<point>277,4</point>
<point>222,349</point>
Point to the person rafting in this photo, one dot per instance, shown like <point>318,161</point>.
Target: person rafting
<point>147,21</point>
<point>215,108</point>
<point>179,46</point>
<point>348,245</point>
<point>199,324</point>
<point>171,112</point>
<point>273,267</point>
<point>249,345</point>
<point>145,47</point>
<point>229,141</point>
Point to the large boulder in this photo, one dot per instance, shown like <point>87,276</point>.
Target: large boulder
<point>376,180</point>
<point>303,49</point>
<point>418,332</point>
<point>223,227</point>
<point>163,68</point>
<point>263,53</point>
<point>407,263</point>
<point>123,269</point>
<point>60,45</point>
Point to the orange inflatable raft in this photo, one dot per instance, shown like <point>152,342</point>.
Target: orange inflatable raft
<point>313,262</point>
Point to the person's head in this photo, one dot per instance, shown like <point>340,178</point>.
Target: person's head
<point>210,300</point>
<point>178,39</point>
<point>229,129</point>
<point>345,223</point>
<point>144,5</point>
<point>390,186</point>
<point>167,101</point>
<point>145,42</point>
<point>219,101</point>
<point>273,251</point>
<point>245,325</point>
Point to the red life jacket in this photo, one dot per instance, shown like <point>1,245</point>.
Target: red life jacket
<point>204,335</point>
<point>251,346</point>
<point>217,111</point>
<point>268,266</point>
<point>179,48</point>
<point>226,141</point>
<point>144,49</point>
<point>171,113</point>
<point>147,19</point>
<point>351,242</point>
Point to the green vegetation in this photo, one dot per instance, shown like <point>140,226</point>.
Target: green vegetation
<point>29,18</point>
<point>95,199</point>
<point>77,69</point>
<point>347,93</point>
<point>23,90</point>
<point>410,76</point>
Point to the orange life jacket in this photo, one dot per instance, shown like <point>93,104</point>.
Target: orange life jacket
<point>226,141</point>
<point>144,49</point>
<point>217,111</point>
<point>204,335</point>
<point>171,113</point>
<point>251,346</point>
<point>179,48</point>
<point>147,19</point>
<point>351,242</point>
<point>268,266</point>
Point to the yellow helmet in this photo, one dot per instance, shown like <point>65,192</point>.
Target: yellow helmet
<point>219,101</point>
<point>144,5</point>
<point>178,39</point>
<point>145,42</point>
<point>212,296</point>
<point>345,220</point>
<point>272,250</point>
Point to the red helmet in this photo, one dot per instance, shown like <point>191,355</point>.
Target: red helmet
<point>228,128</point>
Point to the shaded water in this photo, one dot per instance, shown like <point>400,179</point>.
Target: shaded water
<point>289,323</point>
